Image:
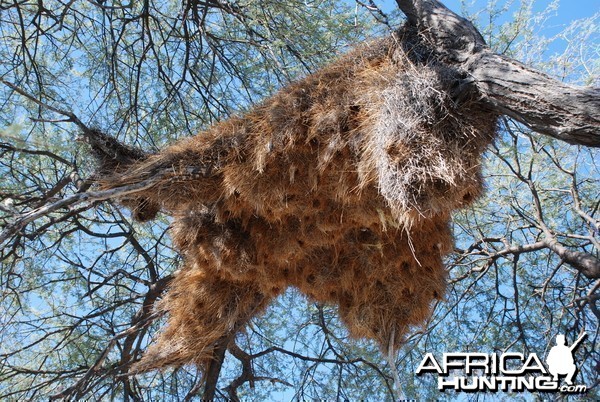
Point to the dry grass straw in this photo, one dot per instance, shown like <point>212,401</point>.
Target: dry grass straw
<point>341,185</point>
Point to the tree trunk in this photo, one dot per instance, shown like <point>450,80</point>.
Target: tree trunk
<point>545,105</point>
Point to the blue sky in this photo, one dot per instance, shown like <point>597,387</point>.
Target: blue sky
<point>568,10</point>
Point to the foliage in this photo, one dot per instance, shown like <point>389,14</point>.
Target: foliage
<point>78,285</point>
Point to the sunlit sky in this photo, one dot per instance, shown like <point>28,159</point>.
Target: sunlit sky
<point>568,10</point>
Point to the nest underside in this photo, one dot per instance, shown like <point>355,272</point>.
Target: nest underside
<point>340,185</point>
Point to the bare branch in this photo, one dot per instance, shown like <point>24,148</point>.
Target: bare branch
<point>90,197</point>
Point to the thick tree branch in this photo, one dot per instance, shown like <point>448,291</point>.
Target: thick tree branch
<point>585,263</point>
<point>446,32</point>
<point>546,105</point>
<point>542,103</point>
<point>214,370</point>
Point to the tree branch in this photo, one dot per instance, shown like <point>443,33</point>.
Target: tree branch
<point>75,199</point>
<point>105,147</point>
<point>546,105</point>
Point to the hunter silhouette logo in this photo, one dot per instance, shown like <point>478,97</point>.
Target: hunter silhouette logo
<point>514,372</point>
<point>560,359</point>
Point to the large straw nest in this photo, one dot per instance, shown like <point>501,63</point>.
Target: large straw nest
<point>341,185</point>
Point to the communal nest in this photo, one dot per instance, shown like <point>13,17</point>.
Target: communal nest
<point>341,185</point>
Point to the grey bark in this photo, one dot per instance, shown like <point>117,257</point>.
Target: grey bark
<point>544,104</point>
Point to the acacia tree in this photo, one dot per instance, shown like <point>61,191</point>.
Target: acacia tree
<point>159,68</point>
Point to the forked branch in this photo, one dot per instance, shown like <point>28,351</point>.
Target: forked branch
<point>544,104</point>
